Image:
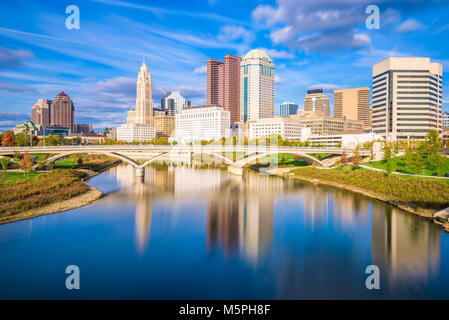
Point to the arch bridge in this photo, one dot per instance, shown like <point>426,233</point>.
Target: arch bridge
<point>150,153</point>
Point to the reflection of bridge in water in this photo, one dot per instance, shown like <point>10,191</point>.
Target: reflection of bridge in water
<point>150,153</point>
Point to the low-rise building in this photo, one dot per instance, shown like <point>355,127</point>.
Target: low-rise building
<point>109,133</point>
<point>288,128</point>
<point>88,138</point>
<point>82,128</point>
<point>344,140</point>
<point>210,122</point>
<point>53,130</point>
<point>164,126</point>
<point>320,124</point>
<point>29,127</point>
<point>135,132</point>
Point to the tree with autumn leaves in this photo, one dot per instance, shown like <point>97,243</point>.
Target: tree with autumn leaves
<point>8,140</point>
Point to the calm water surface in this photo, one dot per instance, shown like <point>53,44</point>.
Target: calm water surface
<point>184,233</point>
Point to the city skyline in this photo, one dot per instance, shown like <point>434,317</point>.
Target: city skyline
<point>40,57</point>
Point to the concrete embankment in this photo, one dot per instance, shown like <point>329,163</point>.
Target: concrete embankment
<point>442,217</point>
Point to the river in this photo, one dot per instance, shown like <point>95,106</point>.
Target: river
<point>185,233</point>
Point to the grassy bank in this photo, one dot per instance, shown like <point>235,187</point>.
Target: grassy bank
<point>417,195</point>
<point>37,193</point>
<point>400,163</point>
<point>44,189</point>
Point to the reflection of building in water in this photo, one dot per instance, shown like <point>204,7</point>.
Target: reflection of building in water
<point>348,208</point>
<point>403,245</point>
<point>240,215</point>
<point>316,205</point>
<point>194,183</point>
<point>140,190</point>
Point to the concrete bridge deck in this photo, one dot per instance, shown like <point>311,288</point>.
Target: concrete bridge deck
<point>129,153</point>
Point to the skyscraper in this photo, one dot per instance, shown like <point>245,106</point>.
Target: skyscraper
<point>215,82</point>
<point>288,108</point>
<point>407,97</point>
<point>173,102</point>
<point>223,84</point>
<point>316,100</point>
<point>353,104</point>
<point>40,112</point>
<point>257,86</point>
<point>143,113</point>
<point>139,124</point>
<point>62,112</point>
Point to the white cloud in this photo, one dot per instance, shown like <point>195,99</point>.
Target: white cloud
<point>277,79</point>
<point>200,70</point>
<point>273,53</point>
<point>410,25</point>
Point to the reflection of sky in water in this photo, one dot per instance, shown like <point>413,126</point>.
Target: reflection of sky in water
<point>185,233</point>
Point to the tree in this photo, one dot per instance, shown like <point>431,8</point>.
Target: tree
<point>8,140</point>
<point>408,157</point>
<point>344,159</point>
<point>26,164</point>
<point>17,155</point>
<point>5,162</point>
<point>22,139</point>
<point>387,158</point>
<point>447,144</point>
<point>54,140</point>
<point>356,158</point>
<point>73,158</point>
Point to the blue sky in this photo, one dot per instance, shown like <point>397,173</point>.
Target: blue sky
<point>313,43</point>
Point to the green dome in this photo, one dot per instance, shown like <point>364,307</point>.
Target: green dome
<point>257,53</point>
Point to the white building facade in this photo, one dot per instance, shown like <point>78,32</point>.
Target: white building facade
<point>256,86</point>
<point>288,128</point>
<point>407,98</point>
<point>349,140</point>
<point>202,123</point>
<point>135,132</point>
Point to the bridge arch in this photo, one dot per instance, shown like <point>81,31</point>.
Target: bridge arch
<point>254,156</point>
<point>215,155</point>
<point>110,154</point>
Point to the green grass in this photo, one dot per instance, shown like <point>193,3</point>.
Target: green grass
<point>319,156</point>
<point>399,162</point>
<point>8,176</point>
<point>65,164</point>
<point>418,193</point>
<point>90,164</point>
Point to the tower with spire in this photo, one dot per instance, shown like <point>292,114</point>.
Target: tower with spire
<point>139,124</point>
<point>143,113</point>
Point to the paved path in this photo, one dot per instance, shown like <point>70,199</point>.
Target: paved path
<point>403,174</point>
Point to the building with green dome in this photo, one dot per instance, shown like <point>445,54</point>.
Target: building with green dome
<point>256,86</point>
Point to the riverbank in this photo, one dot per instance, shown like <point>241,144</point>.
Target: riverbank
<point>51,192</point>
<point>423,197</point>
